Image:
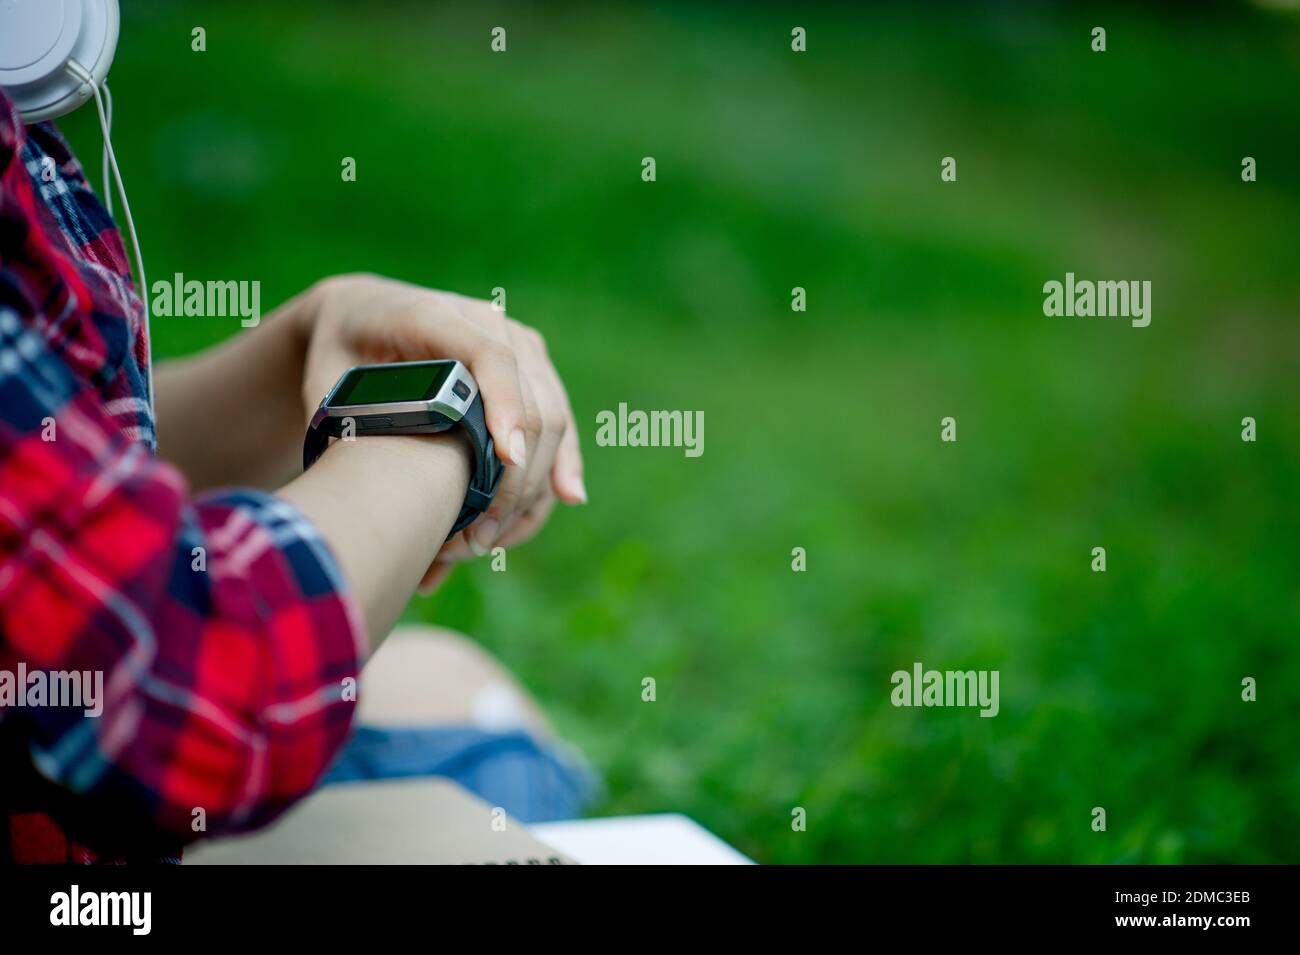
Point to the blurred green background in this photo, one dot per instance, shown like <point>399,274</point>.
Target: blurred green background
<point>821,170</point>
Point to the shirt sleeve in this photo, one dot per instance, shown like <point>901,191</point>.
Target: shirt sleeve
<point>207,643</point>
<point>215,629</point>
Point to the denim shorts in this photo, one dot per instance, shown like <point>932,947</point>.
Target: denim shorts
<point>533,781</point>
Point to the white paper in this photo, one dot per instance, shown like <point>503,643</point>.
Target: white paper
<point>665,839</point>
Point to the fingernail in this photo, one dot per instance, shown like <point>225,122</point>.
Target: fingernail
<point>485,535</point>
<point>518,447</point>
<point>471,543</point>
<point>577,488</point>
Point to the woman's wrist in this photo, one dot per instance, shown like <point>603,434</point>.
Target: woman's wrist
<point>384,504</point>
<point>407,458</point>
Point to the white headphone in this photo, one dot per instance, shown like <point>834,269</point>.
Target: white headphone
<point>39,38</point>
<point>54,56</point>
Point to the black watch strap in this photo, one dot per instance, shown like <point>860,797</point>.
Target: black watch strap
<point>487,467</point>
<point>317,440</point>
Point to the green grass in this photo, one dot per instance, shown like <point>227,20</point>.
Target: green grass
<point>521,170</point>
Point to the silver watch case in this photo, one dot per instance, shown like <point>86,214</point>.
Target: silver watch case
<point>450,402</point>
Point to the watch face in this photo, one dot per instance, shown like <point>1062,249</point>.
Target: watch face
<point>385,384</point>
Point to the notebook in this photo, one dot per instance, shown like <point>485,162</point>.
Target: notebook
<point>398,821</point>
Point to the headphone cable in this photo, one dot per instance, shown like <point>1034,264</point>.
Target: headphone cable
<point>110,162</point>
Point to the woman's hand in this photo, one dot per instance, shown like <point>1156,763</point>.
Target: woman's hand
<point>362,319</point>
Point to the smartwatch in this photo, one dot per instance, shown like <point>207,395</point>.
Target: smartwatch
<point>411,397</point>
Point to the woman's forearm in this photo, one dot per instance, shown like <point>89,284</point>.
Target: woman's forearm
<point>384,505</point>
<point>233,415</point>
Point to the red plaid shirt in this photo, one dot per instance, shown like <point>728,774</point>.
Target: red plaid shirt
<point>223,688</point>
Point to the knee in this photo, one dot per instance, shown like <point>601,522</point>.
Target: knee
<point>425,675</point>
